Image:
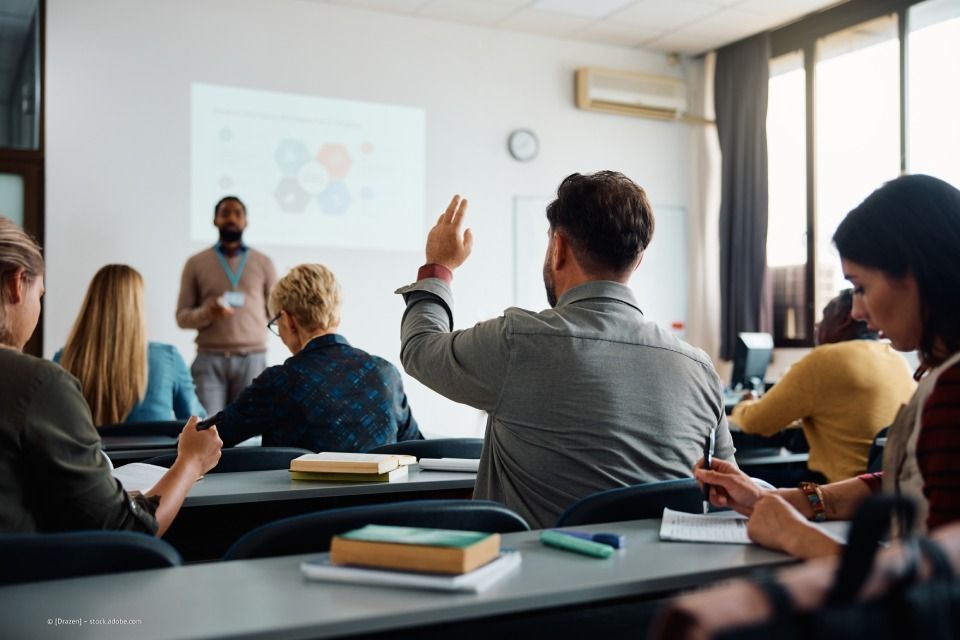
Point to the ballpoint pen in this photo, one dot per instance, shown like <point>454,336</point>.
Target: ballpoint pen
<point>209,422</point>
<point>708,448</point>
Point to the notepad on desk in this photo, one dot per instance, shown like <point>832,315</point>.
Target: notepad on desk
<point>694,527</point>
<point>471,582</point>
<point>467,465</point>
<point>139,476</point>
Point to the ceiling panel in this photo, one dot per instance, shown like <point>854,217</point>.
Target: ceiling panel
<point>479,12</point>
<point>682,26</point>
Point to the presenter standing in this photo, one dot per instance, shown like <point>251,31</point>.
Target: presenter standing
<point>223,295</point>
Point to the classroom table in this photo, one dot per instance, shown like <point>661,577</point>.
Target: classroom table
<point>270,599</point>
<point>223,506</point>
<point>111,444</point>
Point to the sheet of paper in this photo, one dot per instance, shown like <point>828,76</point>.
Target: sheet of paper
<point>451,464</point>
<point>139,476</point>
<point>693,527</point>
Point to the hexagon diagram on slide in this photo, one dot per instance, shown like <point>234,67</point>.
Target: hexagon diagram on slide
<point>335,199</point>
<point>336,159</point>
<point>291,155</point>
<point>290,196</point>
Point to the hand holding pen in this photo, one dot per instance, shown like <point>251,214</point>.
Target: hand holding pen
<point>709,446</point>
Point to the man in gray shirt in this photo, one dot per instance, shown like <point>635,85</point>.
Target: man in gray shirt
<point>582,397</point>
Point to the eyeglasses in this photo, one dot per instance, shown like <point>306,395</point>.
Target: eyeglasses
<point>272,325</point>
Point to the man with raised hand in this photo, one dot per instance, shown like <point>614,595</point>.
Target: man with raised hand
<point>585,396</point>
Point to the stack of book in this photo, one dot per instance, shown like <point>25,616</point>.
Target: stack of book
<point>408,556</point>
<point>350,467</point>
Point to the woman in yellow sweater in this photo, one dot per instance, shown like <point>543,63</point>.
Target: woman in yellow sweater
<point>843,392</point>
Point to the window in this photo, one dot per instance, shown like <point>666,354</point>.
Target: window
<point>787,228</point>
<point>933,96</point>
<point>858,94</point>
<point>857,142</point>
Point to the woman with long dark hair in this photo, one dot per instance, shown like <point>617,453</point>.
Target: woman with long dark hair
<point>900,249</point>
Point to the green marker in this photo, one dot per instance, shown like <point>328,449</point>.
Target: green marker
<point>577,545</point>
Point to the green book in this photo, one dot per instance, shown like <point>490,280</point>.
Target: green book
<point>415,549</point>
<point>416,535</point>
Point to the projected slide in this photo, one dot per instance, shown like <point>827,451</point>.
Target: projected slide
<point>312,171</point>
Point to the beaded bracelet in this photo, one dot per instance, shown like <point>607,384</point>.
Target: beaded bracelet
<point>815,496</point>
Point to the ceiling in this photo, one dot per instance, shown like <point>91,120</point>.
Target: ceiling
<point>672,26</point>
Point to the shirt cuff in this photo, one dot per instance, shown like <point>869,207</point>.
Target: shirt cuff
<point>434,270</point>
<point>874,481</point>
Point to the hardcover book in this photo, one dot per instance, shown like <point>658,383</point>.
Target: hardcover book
<point>414,549</point>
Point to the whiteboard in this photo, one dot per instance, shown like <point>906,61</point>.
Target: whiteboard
<point>660,284</point>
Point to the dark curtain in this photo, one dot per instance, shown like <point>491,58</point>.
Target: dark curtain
<point>740,96</point>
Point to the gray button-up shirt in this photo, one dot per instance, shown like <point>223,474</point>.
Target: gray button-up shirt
<point>581,398</point>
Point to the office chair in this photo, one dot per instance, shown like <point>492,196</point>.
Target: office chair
<point>638,502</point>
<point>311,533</point>
<point>171,428</point>
<point>437,448</point>
<point>244,459</point>
<point>875,456</point>
<point>31,557</point>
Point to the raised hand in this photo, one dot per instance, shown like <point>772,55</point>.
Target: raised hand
<point>447,243</point>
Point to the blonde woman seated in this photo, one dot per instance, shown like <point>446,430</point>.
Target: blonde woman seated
<point>124,378</point>
<point>329,396</point>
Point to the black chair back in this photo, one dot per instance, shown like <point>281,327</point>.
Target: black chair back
<point>31,557</point>
<point>171,428</point>
<point>436,448</point>
<point>875,455</point>
<point>244,459</point>
<point>638,502</point>
<point>311,533</point>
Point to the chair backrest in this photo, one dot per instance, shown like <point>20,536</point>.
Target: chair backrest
<point>244,459</point>
<point>638,502</point>
<point>875,455</point>
<point>436,448</point>
<point>170,428</point>
<point>311,533</point>
<point>30,557</point>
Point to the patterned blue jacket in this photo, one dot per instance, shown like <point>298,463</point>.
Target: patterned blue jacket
<point>328,397</point>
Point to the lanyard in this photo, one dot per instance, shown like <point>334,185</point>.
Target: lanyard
<point>232,276</point>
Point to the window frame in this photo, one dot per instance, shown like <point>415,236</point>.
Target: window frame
<point>802,36</point>
<point>29,164</point>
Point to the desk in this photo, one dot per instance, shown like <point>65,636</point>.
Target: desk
<point>269,598</point>
<point>223,506</point>
<point>126,443</point>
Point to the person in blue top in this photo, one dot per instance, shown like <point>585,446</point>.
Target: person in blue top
<point>123,377</point>
<point>329,396</point>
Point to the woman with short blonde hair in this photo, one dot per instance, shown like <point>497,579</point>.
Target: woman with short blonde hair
<point>124,378</point>
<point>311,294</point>
<point>329,395</point>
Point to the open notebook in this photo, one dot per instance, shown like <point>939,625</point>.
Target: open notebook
<point>726,527</point>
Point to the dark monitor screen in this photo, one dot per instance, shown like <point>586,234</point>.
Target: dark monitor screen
<point>751,356</point>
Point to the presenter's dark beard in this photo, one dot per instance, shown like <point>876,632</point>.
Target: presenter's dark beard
<point>230,235</point>
<point>549,286</point>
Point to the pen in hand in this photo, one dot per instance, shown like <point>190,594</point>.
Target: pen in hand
<point>709,446</point>
<point>209,422</point>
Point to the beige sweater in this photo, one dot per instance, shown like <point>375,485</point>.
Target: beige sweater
<point>204,279</point>
<point>843,393</point>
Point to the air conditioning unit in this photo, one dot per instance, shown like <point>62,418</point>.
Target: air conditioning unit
<point>630,93</point>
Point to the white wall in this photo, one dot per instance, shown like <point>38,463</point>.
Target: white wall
<point>118,74</point>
